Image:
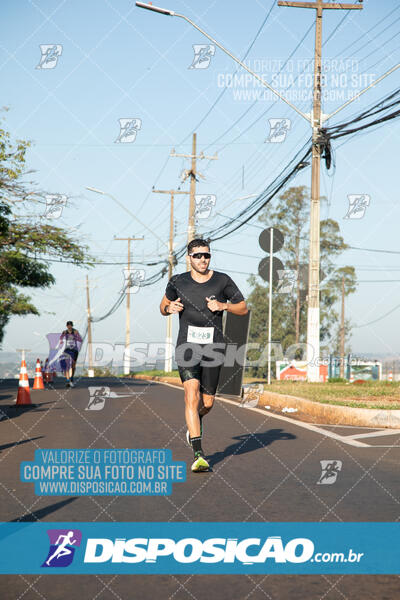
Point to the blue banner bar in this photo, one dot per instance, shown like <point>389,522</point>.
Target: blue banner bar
<point>212,548</point>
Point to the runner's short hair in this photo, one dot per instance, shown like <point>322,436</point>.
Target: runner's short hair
<point>197,243</point>
<point>70,323</point>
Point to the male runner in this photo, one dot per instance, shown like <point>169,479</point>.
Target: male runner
<point>72,340</point>
<point>200,296</point>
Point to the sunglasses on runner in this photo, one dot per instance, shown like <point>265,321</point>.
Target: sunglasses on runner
<point>199,255</point>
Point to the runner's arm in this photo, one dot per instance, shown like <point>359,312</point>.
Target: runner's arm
<point>176,306</point>
<point>240,308</point>
<point>164,303</point>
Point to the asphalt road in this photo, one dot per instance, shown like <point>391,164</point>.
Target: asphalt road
<point>264,468</point>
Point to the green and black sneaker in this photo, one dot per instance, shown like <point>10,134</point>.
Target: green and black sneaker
<point>200,463</point>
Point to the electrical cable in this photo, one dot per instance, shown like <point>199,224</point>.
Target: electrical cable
<point>237,69</point>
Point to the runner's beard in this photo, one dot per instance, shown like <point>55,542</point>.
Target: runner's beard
<point>202,268</point>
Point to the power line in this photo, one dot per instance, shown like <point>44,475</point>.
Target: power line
<point>224,90</point>
<point>370,29</point>
<point>378,319</point>
<point>275,101</point>
<point>255,102</point>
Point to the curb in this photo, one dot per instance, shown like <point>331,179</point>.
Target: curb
<point>328,414</point>
<point>332,414</point>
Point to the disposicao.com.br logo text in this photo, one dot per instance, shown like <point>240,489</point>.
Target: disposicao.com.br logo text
<point>247,551</point>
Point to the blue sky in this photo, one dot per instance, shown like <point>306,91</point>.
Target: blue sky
<point>119,61</point>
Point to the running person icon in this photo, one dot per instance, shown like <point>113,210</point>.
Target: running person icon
<point>200,296</point>
<point>61,547</point>
<point>72,342</point>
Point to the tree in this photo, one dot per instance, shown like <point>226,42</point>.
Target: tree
<point>25,241</point>
<point>291,215</point>
<point>343,283</point>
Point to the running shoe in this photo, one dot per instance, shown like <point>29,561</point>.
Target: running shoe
<point>71,383</point>
<point>68,384</point>
<point>200,463</point>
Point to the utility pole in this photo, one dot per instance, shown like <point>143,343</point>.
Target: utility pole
<point>128,305</point>
<point>89,328</point>
<point>342,334</point>
<point>168,353</point>
<point>313,313</point>
<point>193,176</point>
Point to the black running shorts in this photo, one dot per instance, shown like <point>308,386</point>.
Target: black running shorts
<point>208,376</point>
<point>72,353</point>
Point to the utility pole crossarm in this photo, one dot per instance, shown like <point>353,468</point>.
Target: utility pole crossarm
<point>324,5</point>
<point>200,156</point>
<point>169,192</point>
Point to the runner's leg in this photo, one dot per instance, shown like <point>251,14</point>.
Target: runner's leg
<point>192,389</point>
<point>206,403</point>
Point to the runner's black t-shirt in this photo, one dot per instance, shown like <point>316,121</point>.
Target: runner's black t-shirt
<point>197,323</point>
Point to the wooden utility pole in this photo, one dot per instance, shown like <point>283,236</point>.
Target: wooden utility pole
<point>168,353</point>
<point>89,328</point>
<point>313,316</point>
<point>128,305</point>
<point>193,176</point>
<point>342,332</point>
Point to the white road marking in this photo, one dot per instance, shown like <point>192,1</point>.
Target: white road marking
<point>351,426</point>
<point>309,426</point>
<point>379,446</point>
<point>375,434</point>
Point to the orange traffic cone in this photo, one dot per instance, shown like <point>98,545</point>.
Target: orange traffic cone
<point>390,376</point>
<point>24,395</point>
<point>351,377</point>
<point>38,383</point>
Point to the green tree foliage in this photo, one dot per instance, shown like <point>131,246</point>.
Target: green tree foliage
<point>291,215</point>
<point>25,240</point>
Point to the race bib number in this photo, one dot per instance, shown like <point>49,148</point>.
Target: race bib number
<point>200,335</point>
<point>70,343</point>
